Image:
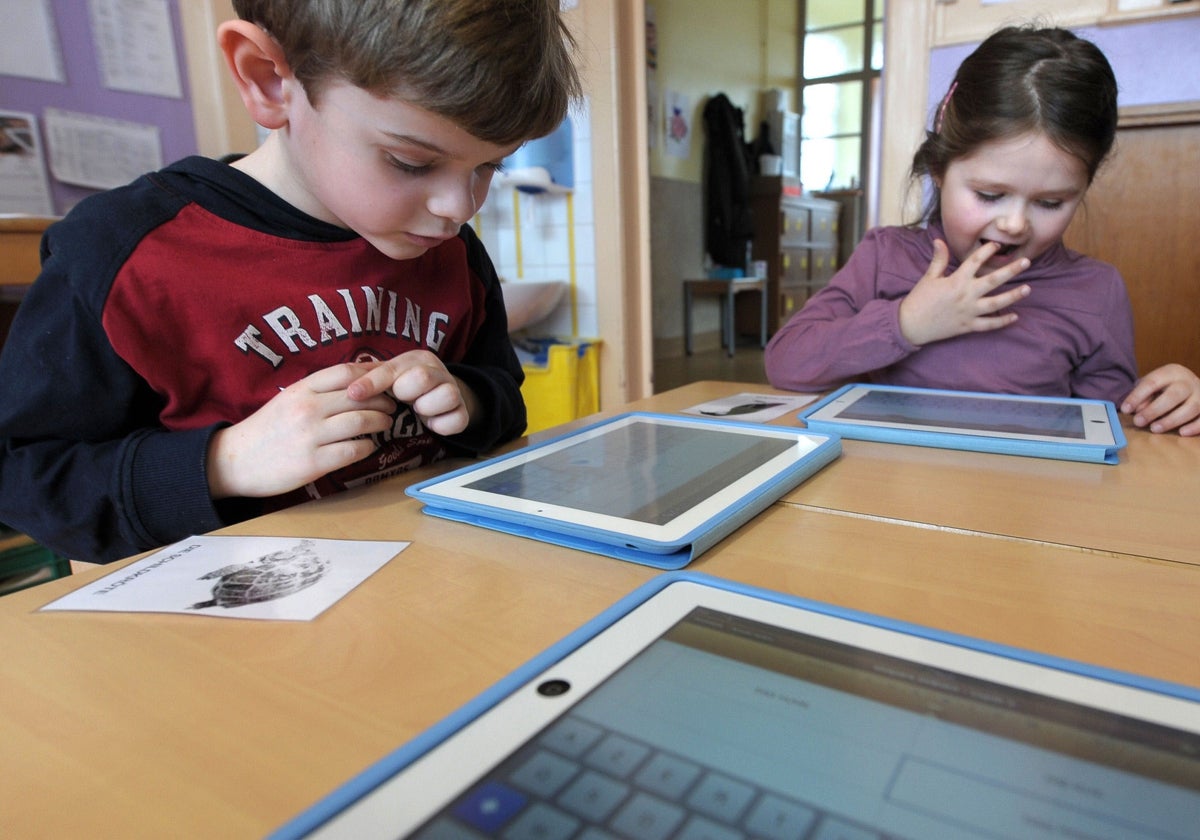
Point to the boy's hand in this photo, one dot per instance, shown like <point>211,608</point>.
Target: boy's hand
<point>419,378</point>
<point>309,429</point>
<point>943,306</point>
<point>1166,398</point>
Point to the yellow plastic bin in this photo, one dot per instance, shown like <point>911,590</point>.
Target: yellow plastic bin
<point>562,380</point>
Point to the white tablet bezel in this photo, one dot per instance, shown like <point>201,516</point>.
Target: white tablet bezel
<point>1097,424</point>
<point>415,794</point>
<point>452,492</point>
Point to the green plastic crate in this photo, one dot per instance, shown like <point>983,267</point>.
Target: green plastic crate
<point>29,564</point>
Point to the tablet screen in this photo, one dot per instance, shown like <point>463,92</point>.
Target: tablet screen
<point>680,467</point>
<point>1065,420</point>
<point>642,480</point>
<point>988,414</point>
<point>731,724</point>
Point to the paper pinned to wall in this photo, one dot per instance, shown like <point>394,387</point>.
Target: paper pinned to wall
<point>135,46</point>
<point>100,152</point>
<point>24,187</point>
<point>677,124</point>
<point>31,47</point>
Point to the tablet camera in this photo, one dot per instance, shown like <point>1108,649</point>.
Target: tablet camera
<point>553,688</point>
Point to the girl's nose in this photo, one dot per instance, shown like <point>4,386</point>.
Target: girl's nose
<point>1013,221</point>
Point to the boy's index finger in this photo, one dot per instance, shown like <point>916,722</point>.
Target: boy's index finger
<point>372,383</point>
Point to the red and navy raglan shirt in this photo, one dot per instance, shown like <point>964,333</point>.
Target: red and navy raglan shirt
<point>180,304</point>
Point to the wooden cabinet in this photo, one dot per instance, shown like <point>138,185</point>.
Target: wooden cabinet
<point>1141,215</point>
<point>797,235</point>
<point>20,263</point>
<point>966,21</point>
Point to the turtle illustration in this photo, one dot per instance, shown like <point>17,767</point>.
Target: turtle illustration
<point>742,408</point>
<point>271,576</point>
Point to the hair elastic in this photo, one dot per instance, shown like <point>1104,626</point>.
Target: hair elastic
<point>937,126</point>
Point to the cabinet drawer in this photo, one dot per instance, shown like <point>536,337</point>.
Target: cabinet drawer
<point>795,226</point>
<point>822,266</point>
<point>823,223</point>
<point>791,298</point>
<point>796,264</point>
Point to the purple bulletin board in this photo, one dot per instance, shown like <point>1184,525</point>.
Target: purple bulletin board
<point>84,93</point>
<point>1155,61</point>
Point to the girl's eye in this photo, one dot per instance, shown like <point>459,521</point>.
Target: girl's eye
<point>1050,204</point>
<point>988,197</point>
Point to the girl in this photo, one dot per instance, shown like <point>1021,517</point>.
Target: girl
<point>983,295</point>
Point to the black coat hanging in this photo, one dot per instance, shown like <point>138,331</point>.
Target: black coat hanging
<point>728,222</point>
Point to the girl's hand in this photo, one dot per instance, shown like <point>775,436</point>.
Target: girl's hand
<point>420,379</point>
<point>943,306</point>
<point>307,430</point>
<point>1164,399</point>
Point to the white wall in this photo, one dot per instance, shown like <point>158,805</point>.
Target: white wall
<point>550,236</point>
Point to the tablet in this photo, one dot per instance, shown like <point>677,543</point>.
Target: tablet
<point>700,708</point>
<point>1055,427</point>
<point>651,488</point>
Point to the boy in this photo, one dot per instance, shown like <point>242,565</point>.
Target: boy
<point>218,340</point>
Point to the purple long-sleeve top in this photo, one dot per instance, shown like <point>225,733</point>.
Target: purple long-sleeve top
<point>1074,336</point>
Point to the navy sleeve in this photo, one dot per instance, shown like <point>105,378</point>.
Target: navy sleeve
<point>491,367</point>
<point>85,466</point>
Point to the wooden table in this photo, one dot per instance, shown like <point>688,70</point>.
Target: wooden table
<point>1147,506</point>
<point>175,725</point>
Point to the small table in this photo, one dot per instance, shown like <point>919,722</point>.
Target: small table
<point>728,290</point>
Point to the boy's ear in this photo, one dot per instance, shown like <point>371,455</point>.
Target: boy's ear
<point>259,70</point>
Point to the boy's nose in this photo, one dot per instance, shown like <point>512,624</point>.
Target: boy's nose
<point>454,201</point>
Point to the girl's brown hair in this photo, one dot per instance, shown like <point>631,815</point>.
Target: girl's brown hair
<point>1023,79</point>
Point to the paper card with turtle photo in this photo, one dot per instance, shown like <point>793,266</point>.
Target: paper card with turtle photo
<point>752,408</point>
<point>283,578</point>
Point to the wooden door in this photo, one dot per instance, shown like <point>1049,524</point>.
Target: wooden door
<point>1142,214</point>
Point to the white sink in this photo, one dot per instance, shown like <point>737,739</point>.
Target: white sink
<point>530,301</point>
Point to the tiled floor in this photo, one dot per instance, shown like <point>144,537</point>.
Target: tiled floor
<point>745,366</point>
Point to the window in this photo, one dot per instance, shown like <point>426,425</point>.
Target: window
<point>841,57</point>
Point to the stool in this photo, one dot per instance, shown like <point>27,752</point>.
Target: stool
<point>727,290</point>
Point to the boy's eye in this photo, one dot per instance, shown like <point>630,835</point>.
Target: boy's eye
<point>409,168</point>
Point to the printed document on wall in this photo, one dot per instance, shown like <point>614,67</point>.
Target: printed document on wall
<point>135,46</point>
<point>24,187</point>
<point>31,42</point>
<point>100,152</point>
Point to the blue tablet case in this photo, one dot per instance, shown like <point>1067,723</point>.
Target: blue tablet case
<point>976,443</point>
<point>589,539</point>
<point>387,767</point>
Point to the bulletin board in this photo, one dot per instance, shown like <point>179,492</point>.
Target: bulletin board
<point>98,89</point>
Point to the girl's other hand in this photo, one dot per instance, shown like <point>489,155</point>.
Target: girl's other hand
<point>1164,399</point>
<point>944,305</point>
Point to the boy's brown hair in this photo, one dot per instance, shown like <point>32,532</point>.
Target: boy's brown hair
<point>501,69</point>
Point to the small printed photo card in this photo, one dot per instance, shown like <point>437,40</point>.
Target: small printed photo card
<point>752,408</point>
<point>281,578</point>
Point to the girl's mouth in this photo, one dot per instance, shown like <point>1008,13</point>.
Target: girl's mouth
<point>1003,250</point>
